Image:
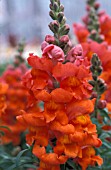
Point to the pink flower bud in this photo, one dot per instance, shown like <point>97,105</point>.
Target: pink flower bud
<point>87,8</point>
<point>54,52</point>
<point>102,104</point>
<point>93,32</point>
<point>64,39</point>
<point>49,39</point>
<point>97,5</point>
<point>85,19</point>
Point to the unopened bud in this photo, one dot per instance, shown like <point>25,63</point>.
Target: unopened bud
<point>65,29</point>
<point>94,77</point>
<point>102,104</point>
<point>87,8</point>
<point>60,16</point>
<point>54,26</point>
<point>64,39</point>
<point>51,13</point>
<point>51,7</point>
<point>49,39</point>
<point>99,70</point>
<point>55,6</point>
<point>100,82</point>
<point>63,21</point>
<point>52,2</point>
<point>58,1</point>
<point>91,82</point>
<point>96,5</point>
<point>93,95</point>
<point>93,32</point>
<point>62,8</point>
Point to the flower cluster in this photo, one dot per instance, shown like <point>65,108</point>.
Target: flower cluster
<point>64,123</point>
<point>97,25</point>
<point>16,99</point>
<point>95,38</point>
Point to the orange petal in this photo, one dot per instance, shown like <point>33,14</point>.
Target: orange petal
<point>82,72</point>
<point>49,116</point>
<point>60,95</point>
<point>61,117</point>
<point>53,159</point>
<point>32,119</point>
<point>72,151</point>
<point>43,96</point>
<point>38,151</point>
<point>98,159</point>
<point>40,63</point>
<point>80,107</point>
<point>67,129</point>
<point>64,70</point>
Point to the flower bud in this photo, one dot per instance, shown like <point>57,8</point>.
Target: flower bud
<point>62,8</point>
<point>49,39</point>
<point>51,6</point>
<point>65,29</point>
<point>102,104</point>
<point>99,70</point>
<point>91,82</point>
<point>51,13</point>
<point>55,6</point>
<point>100,82</point>
<point>54,26</point>
<point>93,95</point>
<point>64,39</point>
<point>94,77</point>
<point>87,8</point>
<point>58,1</point>
<point>60,16</point>
<point>93,32</point>
<point>96,5</point>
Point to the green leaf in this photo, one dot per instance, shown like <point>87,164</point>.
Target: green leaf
<point>104,113</point>
<point>11,167</point>
<point>17,161</point>
<point>106,144</point>
<point>71,163</point>
<point>29,166</point>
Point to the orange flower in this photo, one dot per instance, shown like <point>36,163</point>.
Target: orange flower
<point>63,123</point>
<point>3,91</point>
<point>105,25</point>
<point>16,100</point>
<point>89,158</point>
<point>81,32</point>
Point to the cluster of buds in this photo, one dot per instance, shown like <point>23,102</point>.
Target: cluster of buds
<point>58,27</point>
<point>19,58</point>
<point>99,86</point>
<point>92,21</point>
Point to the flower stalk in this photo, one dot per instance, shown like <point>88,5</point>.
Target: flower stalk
<point>93,24</point>
<point>58,27</point>
<point>98,84</point>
